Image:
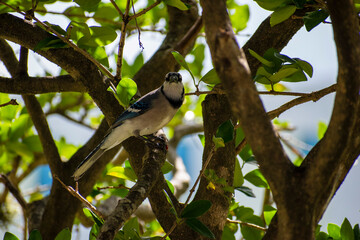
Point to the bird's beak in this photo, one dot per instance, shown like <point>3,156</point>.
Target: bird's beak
<point>173,79</point>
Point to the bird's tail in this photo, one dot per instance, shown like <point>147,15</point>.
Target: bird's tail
<point>88,162</point>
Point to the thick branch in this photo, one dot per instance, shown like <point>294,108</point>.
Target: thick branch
<point>232,68</point>
<point>39,85</point>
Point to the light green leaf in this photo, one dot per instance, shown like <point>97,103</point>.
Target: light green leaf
<point>269,213</point>
<point>19,149</point>
<point>103,35</point>
<point>240,18</point>
<point>238,176</point>
<point>199,227</point>
<point>20,126</point>
<point>176,3</point>
<point>65,234</point>
<point>98,221</point>
<point>321,130</point>
<point>131,228</point>
<point>261,59</point>
<point>346,230</point>
<point>211,77</point>
<point>172,188</point>
<point>282,74</point>
<point>202,139</point>
<point>33,143</point>
<point>281,14</point>
<point>106,12</point>
<point>167,167</point>
<point>196,209</point>
<point>126,89</point>
<point>270,5</point>
<point>78,30</point>
<point>334,231</point>
<point>256,178</point>
<point>123,173</point>
<point>219,142</point>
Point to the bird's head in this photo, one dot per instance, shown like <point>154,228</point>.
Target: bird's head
<point>173,77</point>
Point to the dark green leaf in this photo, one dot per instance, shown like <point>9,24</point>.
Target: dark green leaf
<point>305,66</point>
<point>281,14</point>
<point>313,19</point>
<point>181,60</point>
<point>33,143</point>
<point>346,230</point>
<point>199,227</point>
<point>282,74</point>
<point>225,131</point>
<point>202,139</point>
<point>322,236</point>
<point>35,235</point>
<point>228,234</point>
<point>10,236</point>
<point>255,177</point>
<point>176,3</point>
<point>211,77</point>
<point>99,222</point>
<point>356,232</point>
<point>246,190</point>
<point>131,228</point>
<point>299,3</point>
<point>88,5</point>
<point>106,12</point>
<point>65,234</point>
<point>284,58</point>
<point>196,209</point>
<point>50,42</point>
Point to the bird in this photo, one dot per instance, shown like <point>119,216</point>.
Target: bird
<point>146,116</point>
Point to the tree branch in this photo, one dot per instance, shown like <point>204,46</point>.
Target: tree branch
<point>39,85</point>
<point>137,194</point>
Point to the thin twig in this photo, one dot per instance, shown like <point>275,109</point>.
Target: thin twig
<point>113,187</point>
<point>145,10</point>
<point>247,224</point>
<point>138,28</point>
<point>14,191</point>
<point>117,8</point>
<point>81,198</point>
<point>11,102</point>
<point>122,42</point>
<point>72,45</point>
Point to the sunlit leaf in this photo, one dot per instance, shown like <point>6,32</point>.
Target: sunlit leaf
<point>167,167</point>
<point>255,177</point>
<point>10,236</point>
<point>334,231</point>
<point>65,234</point>
<point>346,230</point>
<point>88,5</point>
<point>126,89</point>
<point>269,213</point>
<point>176,3</point>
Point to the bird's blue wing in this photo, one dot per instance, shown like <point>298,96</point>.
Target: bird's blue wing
<point>137,109</point>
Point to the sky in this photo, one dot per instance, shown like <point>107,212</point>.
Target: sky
<point>316,47</point>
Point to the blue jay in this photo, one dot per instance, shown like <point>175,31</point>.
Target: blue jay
<point>146,116</point>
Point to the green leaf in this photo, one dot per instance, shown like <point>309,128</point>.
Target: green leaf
<point>313,19</point>
<point>123,173</point>
<point>299,3</point>
<point>282,74</point>
<point>256,178</point>
<point>99,54</point>
<point>33,143</point>
<point>270,5</point>
<point>334,231</point>
<point>261,59</point>
<point>99,222</point>
<point>321,130</point>
<point>103,35</point>
<point>172,189</point>
<point>281,14</point>
<point>202,139</point>
<point>78,30</point>
<point>356,232</point>
<point>211,77</point>
<point>35,235</point>
<point>106,12</point>
<point>346,230</point>
<point>167,167</point>
<point>219,142</point>
<point>88,5</point>
<point>246,190</point>
<point>298,76</point>
<point>181,60</point>
<point>238,176</point>
<point>126,89</point>
<point>322,236</point>
<point>65,234</point>
<point>19,148</point>
<point>196,209</point>
<point>269,213</point>
<point>94,232</point>
<point>240,18</point>
<point>50,42</point>
<point>131,228</point>
<point>284,57</point>
<point>225,131</point>
<point>176,3</point>
<point>305,66</point>
<point>20,126</point>
<point>10,236</point>
<point>199,227</point>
